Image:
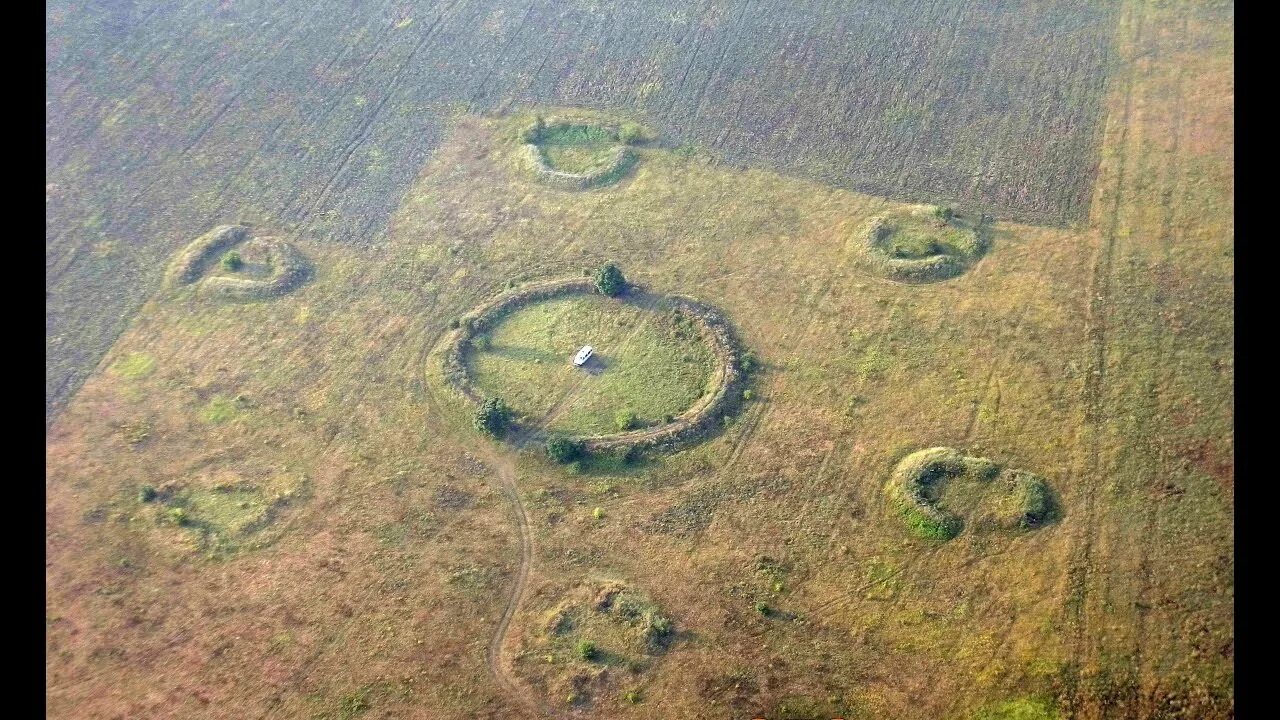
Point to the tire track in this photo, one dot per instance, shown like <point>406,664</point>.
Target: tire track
<point>1080,566</point>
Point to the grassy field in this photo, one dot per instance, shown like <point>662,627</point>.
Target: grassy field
<point>164,119</point>
<point>642,363</point>
<point>1098,356</point>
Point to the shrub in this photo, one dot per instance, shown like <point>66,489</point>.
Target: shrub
<point>563,449</point>
<point>587,650</point>
<point>1032,498</point>
<point>454,324</point>
<point>147,493</point>
<point>626,419</point>
<point>609,280</point>
<point>598,513</point>
<point>763,608</point>
<point>493,417</point>
<point>944,213</point>
<point>232,261</point>
<point>179,517</point>
<point>656,630</point>
<point>632,133</point>
<point>746,395</point>
<point>632,696</point>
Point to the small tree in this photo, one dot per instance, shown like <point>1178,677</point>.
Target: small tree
<point>493,417</point>
<point>586,650</point>
<point>232,261</point>
<point>609,280</point>
<point>562,449</point>
<point>626,420</point>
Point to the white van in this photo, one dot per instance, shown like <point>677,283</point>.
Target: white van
<point>583,355</point>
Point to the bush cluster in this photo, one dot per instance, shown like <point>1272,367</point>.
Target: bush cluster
<point>493,417</point>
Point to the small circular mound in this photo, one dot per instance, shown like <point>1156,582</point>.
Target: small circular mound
<point>223,512</point>
<point>1022,500</point>
<point>230,263</point>
<point>578,154</point>
<point>595,644</point>
<point>923,244</point>
<point>666,371</point>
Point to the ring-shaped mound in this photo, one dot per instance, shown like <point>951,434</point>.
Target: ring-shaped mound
<point>699,321</point>
<point>576,154</point>
<point>919,246</point>
<point>1024,502</point>
<point>279,268</point>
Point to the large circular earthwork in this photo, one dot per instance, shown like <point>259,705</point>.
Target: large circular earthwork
<point>551,306</point>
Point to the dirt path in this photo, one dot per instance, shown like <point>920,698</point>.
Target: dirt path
<point>505,467</point>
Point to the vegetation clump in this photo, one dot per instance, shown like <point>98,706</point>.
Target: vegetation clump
<point>1027,502</point>
<point>609,280</point>
<point>626,419</point>
<point>232,261</point>
<point>493,417</point>
<point>563,449</point>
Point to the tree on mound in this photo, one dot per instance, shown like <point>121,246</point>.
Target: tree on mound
<point>232,261</point>
<point>493,417</point>
<point>563,449</point>
<point>609,280</point>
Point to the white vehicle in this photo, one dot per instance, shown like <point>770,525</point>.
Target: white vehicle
<point>583,355</point>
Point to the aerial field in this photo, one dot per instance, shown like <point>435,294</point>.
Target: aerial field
<point>166,119</point>
<point>278,506</point>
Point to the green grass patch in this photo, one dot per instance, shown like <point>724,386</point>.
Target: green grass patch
<point>643,364</point>
<point>134,365</point>
<point>221,409</point>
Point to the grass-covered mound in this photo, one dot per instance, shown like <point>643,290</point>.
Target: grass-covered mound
<point>1024,501</point>
<point>916,484</point>
<point>1014,499</point>
<point>596,646</point>
<point>924,244</point>
<point>577,154</point>
<point>221,512</point>
<point>229,263</point>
